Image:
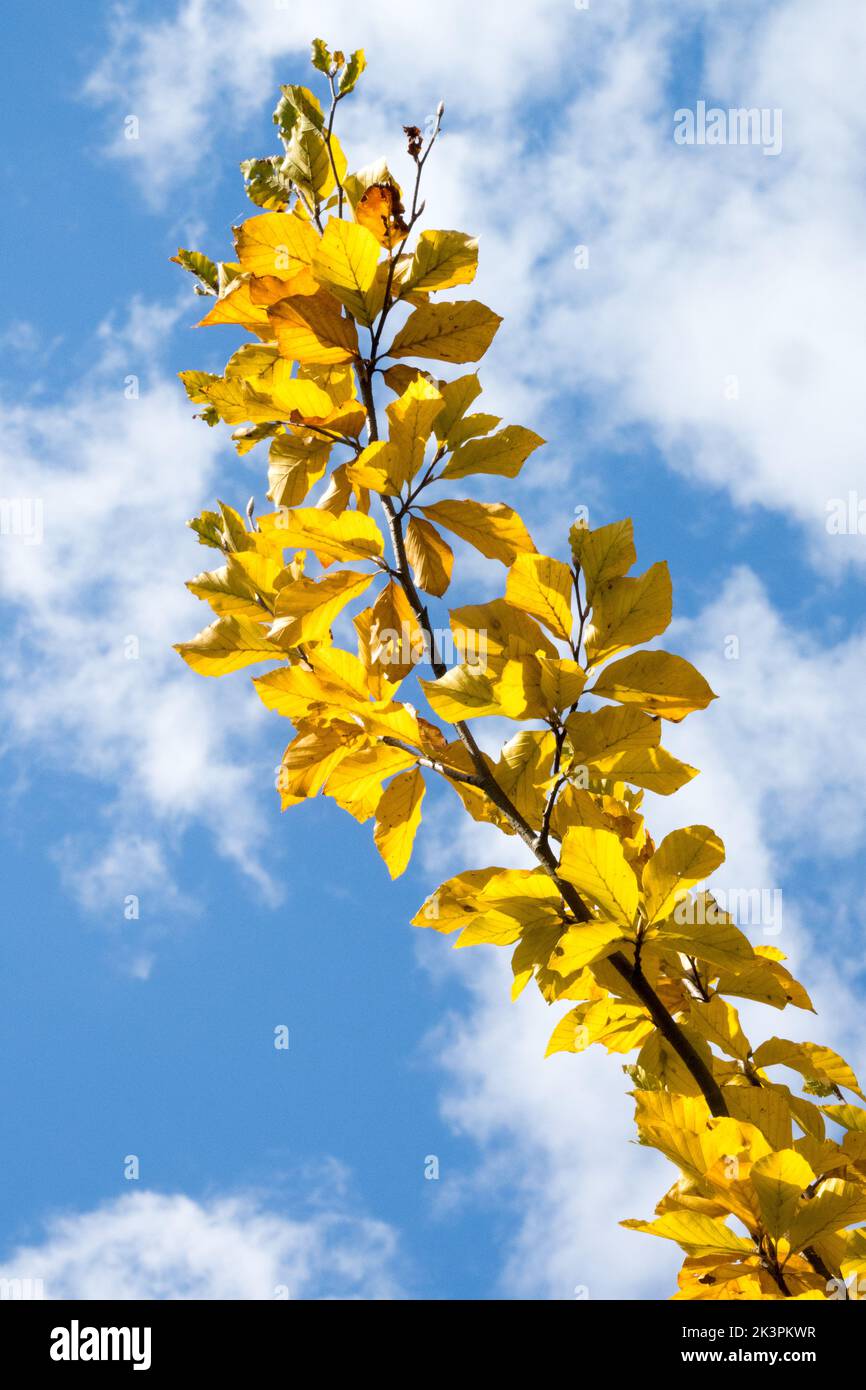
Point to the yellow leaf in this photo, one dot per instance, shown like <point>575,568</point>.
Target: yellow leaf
<point>622,744</point>
<point>517,688</point>
<point>810,1060</point>
<point>851,1117</point>
<point>239,586</point>
<point>356,782</point>
<point>755,979</point>
<point>275,243</point>
<point>580,946</point>
<point>351,535</point>
<point>719,1022</point>
<point>237,402</point>
<point>510,903</point>
<point>574,806</point>
<point>398,816</point>
<point>470,427</point>
<point>431,558</point>
<point>763,1107</point>
<point>696,1234</point>
<point>522,771</point>
<point>311,328</point>
<point>460,332</point>
<point>605,553</point>
<point>779,1180</point>
<point>378,468</point>
<point>543,587</point>
<point>441,260</point>
<point>308,607</point>
<point>484,631</point>
<point>684,858</point>
<point>235,306</point>
<point>720,943</point>
<point>593,860</point>
<point>453,903</point>
<point>296,462</point>
<point>653,768</point>
<point>464,692</point>
<point>396,641</point>
<point>458,395</point>
<point>411,420</point>
<point>307,762</point>
<point>227,645</point>
<point>626,612</point>
<point>682,1128</point>
<point>562,682</point>
<point>307,161</point>
<point>267,289</point>
<point>599,736</point>
<point>491,527</point>
<point>836,1204</point>
<point>659,682</point>
<point>504,454</point>
<point>345,263</point>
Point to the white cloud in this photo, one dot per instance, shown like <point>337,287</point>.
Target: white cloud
<point>91,684</point>
<point>191,77</point>
<point>708,265</point>
<point>151,1245</point>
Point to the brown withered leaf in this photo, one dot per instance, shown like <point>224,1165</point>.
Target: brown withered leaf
<point>381,210</point>
<point>414,137</point>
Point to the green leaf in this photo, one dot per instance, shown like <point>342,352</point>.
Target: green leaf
<point>354,68</point>
<point>200,266</point>
<point>264,183</point>
<point>321,56</point>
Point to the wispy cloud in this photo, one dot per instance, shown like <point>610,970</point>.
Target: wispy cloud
<point>91,684</point>
<point>151,1245</point>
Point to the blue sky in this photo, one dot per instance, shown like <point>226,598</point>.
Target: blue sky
<point>154,1036</point>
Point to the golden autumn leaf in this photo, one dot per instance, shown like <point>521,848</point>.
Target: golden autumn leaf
<point>431,558</point>
<point>684,858</point>
<point>490,630</point>
<point>228,645</point>
<point>344,262</point>
<point>543,587</point>
<point>460,332</point>
<point>236,307</point>
<point>593,860</point>
<point>697,1234</point>
<point>312,328</point>
<point>398,816</point>
<point>626,612</point>
<point>441,260</point>
<point>308,607</point>
<point>349,536</point>
<point>602,554</point>
<point>465,692</point>
<point>658,682</point>
<point>296,461</point>
<point>504,453</point>
<point>491,527</point>
<point>275,243</point>
<point>780,1179</point>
